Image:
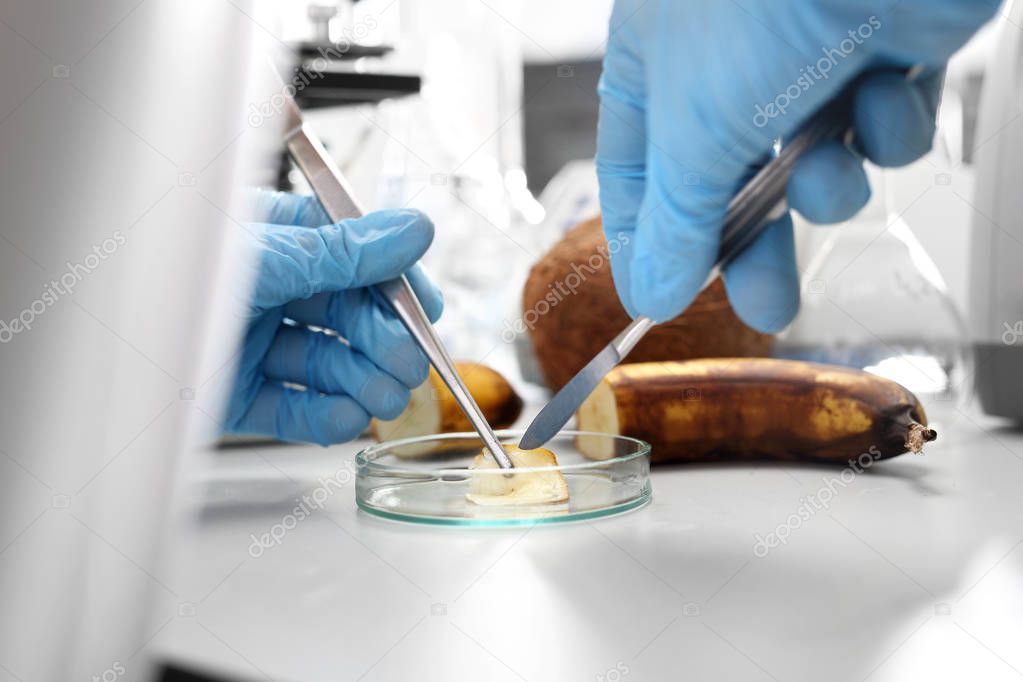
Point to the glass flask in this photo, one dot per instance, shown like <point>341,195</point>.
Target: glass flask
<point>456,153</point>
<point>873,299</point>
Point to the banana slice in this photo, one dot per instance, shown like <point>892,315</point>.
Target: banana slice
<point>538,487</point>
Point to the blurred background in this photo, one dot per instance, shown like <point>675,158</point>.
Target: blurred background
<point>492,133</point>
<point>126,129</point>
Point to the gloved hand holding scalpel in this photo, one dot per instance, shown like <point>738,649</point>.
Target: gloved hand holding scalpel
<point>687,119</point>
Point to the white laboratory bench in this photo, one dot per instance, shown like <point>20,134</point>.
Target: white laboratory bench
<point>913,571</point>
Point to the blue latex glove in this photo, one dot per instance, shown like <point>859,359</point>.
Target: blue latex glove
<point>693,94</point>
<point>313,272</point>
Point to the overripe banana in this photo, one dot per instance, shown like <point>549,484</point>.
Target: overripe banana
<point>433,409</point>
<point>753,408</point>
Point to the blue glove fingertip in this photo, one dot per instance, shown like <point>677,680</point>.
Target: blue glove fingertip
<point>663,286</point>
<point>675,249</point>
<point>379,246</point>
<point>894,120</point>
<point>284,208</point>
<point>620,252</point>
<point>828,184</point>
<point>431,298</point>
<point>407,364</point>
<point>384,397</point>
<point>763,282</point>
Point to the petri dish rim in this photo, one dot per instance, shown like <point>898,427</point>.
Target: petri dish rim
<point>449,521</point>
<point>365,459</point>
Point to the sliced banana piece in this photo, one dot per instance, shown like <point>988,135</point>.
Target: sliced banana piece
<point>531,487</point>
<point>433,409</point>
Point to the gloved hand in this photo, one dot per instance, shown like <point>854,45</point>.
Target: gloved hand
<point>693,95</point>
<point>315,273</point>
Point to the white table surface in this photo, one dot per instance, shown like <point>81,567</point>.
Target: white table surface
<point>913,571</point>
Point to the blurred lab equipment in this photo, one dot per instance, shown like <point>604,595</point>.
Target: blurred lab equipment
<point>331,41</point>
<point>111,378</point>
<point>559,115</point>
<point>570,198</point>
<point>338,60</point>
<point>996,294</point>
<point>873,299</point>
<point>453,148</point>
<point>456,152</point>
<point>341,65</point>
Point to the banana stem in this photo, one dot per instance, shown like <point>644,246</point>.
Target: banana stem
<point>918,435</point>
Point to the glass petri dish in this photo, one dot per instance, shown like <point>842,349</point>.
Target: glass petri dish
<point>427,479</point>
